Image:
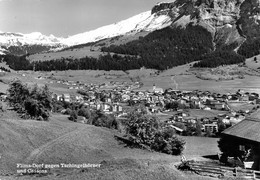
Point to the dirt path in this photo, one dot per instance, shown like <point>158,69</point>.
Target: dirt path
<point>174,82</point>
<point>38,151</point>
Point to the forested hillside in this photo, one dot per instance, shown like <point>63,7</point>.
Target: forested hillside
<point>168,47</point>
<point>250,48</point>
<point>218,58</point>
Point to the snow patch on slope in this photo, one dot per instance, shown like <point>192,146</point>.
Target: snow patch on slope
<point>145,21</point>
<point>142,22</point>
<point>2,51</point>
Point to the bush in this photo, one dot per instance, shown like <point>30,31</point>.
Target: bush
<point>73,116</point>
<point>84,112</point>
<point>57,106</point>
<point>146,131</point>
<point>142,127</point>
<point>32,107</point>
<point>190,130</point>
<point>103,120</point>
<point>165,141</point>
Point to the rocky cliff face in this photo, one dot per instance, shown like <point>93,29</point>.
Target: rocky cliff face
<point>231,22</point>
<point>249,20</point>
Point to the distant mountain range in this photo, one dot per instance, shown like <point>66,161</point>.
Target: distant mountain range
<point>201,25</point>
<point>146,21</point>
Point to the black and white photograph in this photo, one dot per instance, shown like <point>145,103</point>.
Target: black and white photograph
<point>129,89</point>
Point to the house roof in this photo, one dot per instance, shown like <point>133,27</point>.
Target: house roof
<point>246,129</point>
<point>176,128</point>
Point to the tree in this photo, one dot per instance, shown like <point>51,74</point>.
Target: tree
<point>165,141</point>
<point>32,103</point>
<point>73,116</point>
<point>142,127</point>
<point>221,126</point>
<point>146,131</point>
<point>209,133</point>
<point>45,97</point>
<point>84,112</point>
<point>17,94</point>
<point>172,105</point>
<point>198,127</point>
<point>98,118</point>
<point>190,130</point>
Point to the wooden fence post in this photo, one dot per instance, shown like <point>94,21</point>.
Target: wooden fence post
<point>235,172</point>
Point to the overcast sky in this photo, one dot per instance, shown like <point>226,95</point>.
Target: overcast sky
<point>66,17</point>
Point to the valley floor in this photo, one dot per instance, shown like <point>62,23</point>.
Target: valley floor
<point>219,80</point>
<point>62,141</point>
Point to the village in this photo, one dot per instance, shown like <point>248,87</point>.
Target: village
<point>174,107</point>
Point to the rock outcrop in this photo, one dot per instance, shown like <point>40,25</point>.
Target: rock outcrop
<point>231,22</point>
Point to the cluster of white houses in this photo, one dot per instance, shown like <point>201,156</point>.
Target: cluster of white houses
<point>114,97</point>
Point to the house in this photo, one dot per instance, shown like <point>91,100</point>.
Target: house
<point>57,97</point>
<point>252,97</point>
<point>226,120</point>
<point>213,127</point>
<point>3,96</point>
<point>219,106</point>
<point>114,108</point>
<point>244,98</point>
<point>177,129</point>
<point>247,134</point>
<point>257,101</point>
<point>98,106</point>
<point>206,108</point>
<point>66,97</point>
<point>107,107</point>
<point>125,97</point>
<point>108,100</point>
<point>156,90</point>
<point>119,108</point>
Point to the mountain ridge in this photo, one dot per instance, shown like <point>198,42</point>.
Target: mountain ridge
<point>232,24</point>
<point>145,21</point>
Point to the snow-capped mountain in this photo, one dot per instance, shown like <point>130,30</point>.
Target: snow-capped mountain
<point>18,43</point>
<point>36,38</point>
<point>2,51</point>
<point>146,21</point>
<point>142,22</point>
<point>231,23</point>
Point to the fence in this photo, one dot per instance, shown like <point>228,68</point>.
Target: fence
<point>222,171</point>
